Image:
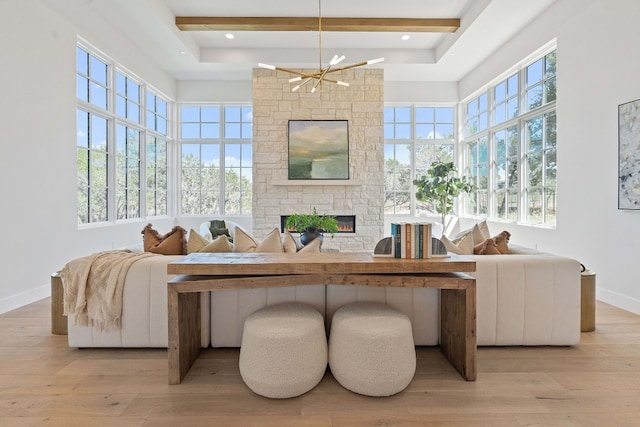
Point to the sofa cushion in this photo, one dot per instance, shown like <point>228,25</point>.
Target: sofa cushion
<point>172,243</point>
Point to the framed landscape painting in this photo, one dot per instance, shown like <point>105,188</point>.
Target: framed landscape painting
<point>318,149</point>
<point>629,155</point>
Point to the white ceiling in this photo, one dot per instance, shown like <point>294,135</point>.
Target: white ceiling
<point>485,26</point>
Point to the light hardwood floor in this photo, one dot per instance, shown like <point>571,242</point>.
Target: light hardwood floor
<point>43,382</point>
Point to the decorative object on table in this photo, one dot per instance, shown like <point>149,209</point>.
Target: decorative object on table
<point>438,248</point>
<point>439,186</point>
<point>384,248</point>
<point>318,149</point>
<point>319,76</point>
<point>311,226</point>
<point>412,240</point>
<point>628,156</point>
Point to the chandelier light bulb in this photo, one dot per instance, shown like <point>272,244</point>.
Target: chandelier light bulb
<point>375,61</point>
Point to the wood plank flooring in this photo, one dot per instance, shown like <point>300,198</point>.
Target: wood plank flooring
<point>43,382</point>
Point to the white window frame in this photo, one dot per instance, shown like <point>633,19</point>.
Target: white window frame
<point>520,122</point>
<point>414,142</point>
<point>222,141</point>
<point>113,120</point>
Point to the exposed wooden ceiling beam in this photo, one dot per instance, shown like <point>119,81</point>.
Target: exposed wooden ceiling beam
<point>398,25</point>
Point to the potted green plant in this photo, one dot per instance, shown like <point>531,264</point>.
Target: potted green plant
<point>440,186</point>
<point>312,225</point>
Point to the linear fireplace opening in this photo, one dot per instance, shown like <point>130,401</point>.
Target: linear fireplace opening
<point>346,223</point>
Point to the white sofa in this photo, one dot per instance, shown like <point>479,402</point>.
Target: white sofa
<point>524,298</point>
<point>144,311</point>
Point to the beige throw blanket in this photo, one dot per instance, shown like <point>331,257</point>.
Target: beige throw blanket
<point>93,287</point>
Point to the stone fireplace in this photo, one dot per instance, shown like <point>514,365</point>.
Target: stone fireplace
<point>361,196</point>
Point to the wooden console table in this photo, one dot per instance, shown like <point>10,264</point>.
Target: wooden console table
<point>210,272</point>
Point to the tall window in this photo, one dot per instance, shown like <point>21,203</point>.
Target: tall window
<point>121,153</point>
<point>414,137</point>
<point>506,172</point>
<point>540,168</point>
<point>513,158</point>
<point>92,135</point>
<point>127,98</point>
<point>157,119</point>
<point>156,171</point>
<point>216,159</point>
<point>93,155</point>
<point>478,170</point>
<point>127,172</point>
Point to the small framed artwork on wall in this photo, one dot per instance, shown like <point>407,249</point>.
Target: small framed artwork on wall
<point>318,149</point>
<point>629,155</point>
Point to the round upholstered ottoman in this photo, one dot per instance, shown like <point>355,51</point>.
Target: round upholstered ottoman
<point>371,349</point>
<point>284,350</point>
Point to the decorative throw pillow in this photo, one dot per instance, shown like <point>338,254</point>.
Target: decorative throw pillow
<point>172,243</point>
<point>502,242</point>
<point>289,244</point>
<point>464,246</point>
<point>483,230</point>
<point>220,244</point>
<point>197,243</point>
<point>314,246</point>
<point>488,247</point>
<point>271,243</point>
<point>461,235</point>
<point>243,242</point>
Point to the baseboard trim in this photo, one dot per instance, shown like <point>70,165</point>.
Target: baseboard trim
<point>624,302</point>
<point>24,298</point>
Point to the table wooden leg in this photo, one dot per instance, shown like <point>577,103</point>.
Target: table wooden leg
<point>458,340</point>
<point>184,332</point>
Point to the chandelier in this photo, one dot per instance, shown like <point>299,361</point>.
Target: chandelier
<point>320,75</point>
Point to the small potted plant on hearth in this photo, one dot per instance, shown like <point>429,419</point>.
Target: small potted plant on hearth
<point>311,226</point>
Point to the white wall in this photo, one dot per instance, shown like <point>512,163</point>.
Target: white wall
<point>416,92</point>
<point>219,91</point>
<point>37,147</point>
<point>598,69</point>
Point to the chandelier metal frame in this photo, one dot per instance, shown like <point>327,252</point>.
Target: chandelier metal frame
<point>319,76</point>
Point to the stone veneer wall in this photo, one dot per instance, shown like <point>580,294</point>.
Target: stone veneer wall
<point>362,104</point>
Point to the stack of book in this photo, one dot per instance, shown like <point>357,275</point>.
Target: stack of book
<point>411,240</point>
